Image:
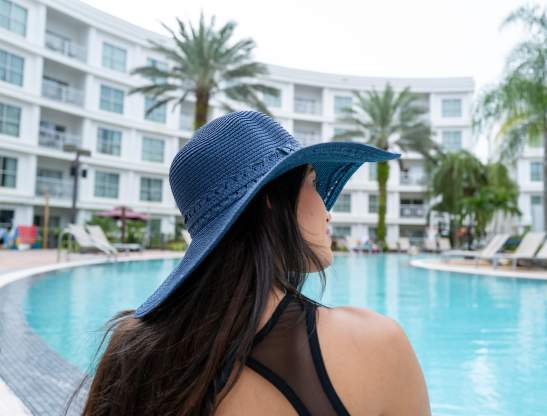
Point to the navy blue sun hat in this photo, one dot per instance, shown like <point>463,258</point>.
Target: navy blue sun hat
<point>227,161</point>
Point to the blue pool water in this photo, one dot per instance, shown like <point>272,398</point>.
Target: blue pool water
<point>481,341</point>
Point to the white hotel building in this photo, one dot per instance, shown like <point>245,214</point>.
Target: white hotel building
<point>64,78</point>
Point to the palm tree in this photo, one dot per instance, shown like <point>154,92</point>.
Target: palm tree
<point>517,107</point>
<point>390,120</point>
<point>206,64</point>
<point>467,188</point>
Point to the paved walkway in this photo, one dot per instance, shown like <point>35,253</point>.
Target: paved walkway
<point>34,380</point>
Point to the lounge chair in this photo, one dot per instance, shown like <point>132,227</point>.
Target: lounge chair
<point>487,253</point>
<point>97,234</point>
<point>403,244</point>
<point>187,237</point>
<point>526,249</point>
<point>541,255</point>
<point>430,245</point>
<point>83,239</point>
<point>444,244</point>
<point>392,245</point>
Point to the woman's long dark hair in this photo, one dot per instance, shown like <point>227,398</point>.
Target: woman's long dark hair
<point>170,361</point>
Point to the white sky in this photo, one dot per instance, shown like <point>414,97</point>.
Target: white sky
<point>392,38</point>
<point>399,38</point>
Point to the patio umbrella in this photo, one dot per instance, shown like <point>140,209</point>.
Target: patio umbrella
<point>123,213</point>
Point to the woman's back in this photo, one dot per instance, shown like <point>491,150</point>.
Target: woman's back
<point>319,361</point>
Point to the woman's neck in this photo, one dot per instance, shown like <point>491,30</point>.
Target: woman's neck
<point>274,298</point>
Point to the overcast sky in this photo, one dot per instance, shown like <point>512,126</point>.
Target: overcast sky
<point>399,38</point>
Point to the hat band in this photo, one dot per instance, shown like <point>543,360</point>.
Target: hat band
<point>207,207</point>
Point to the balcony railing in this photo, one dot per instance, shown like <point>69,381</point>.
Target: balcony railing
<point>56,188</point>
<point>306,106</point>
<point>63,93</point>
<point>65,46</point>
<point>412,211</point>
<point>56,140</point>
<point>412,180</point>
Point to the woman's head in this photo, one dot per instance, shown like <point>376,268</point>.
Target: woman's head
<point>171,361</point>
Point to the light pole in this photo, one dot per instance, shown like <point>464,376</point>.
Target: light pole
<point>75,171</point>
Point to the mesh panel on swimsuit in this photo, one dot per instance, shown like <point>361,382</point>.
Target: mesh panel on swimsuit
<point>286,352</point>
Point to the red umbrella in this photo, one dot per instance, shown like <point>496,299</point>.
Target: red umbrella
<point>123,213</point>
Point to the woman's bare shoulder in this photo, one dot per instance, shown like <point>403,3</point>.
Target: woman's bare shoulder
<point>373,349</point>
<point>360,325</point>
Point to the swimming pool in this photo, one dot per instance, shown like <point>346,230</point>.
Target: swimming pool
<point>481,341</point>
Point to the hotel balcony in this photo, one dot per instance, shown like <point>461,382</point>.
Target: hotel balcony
<point>55,139</point>
<point>412,211</point>
<point>66,35</point>
<point>56,90</point>
<point>54,187</point>
<point>412,180</point>
<point>306,106</point>
<point>65,46</point>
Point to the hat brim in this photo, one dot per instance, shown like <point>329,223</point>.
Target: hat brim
<point>334,163</point>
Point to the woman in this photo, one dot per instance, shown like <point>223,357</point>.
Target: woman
<point>229,332</point>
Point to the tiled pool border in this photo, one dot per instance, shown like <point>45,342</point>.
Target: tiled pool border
<point>40,378</point>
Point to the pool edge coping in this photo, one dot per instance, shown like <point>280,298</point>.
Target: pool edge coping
<point>6,394</point>
<point>433,265</point>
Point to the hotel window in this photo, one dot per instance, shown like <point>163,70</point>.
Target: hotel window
<point>109,142</point>
<point>10,120</point>
<point>343,203</point>
<point>372,172</point>
<point>272,100</point>
<point>114,57</point>
<point>451,107</point>
<point>13,17</point>
<point>152,149</point>
<point>535,199</point>
<point>106,184</point>
<point>151,189</point>
<point>373,204</point>
<point>111,99</point>
<point>157,64</point>
<point>341,103</point>
<point>535,171</point>
<point>186,120</point>
<point>158,114</point>
<point>8,172</point>
<point>11,68</point>
<point>341,231</point>
<point>452,140</point>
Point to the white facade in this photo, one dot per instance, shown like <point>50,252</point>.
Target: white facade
<point>76,65</point>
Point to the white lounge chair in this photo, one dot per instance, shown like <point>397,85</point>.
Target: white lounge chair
<point>97,234</point>
<point>403,244</point>
<point>526,249</point>
<point>487,253</point>
<point>186,236</point>
<point>83,239</point>
<point>444,244</point>
<point>430,245</point>
<point>392,245</point>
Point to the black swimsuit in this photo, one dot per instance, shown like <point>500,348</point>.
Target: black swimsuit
<point>286,352</point>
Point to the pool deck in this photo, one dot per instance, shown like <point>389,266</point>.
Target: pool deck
<point>484,268</point>
<point>35,380</point>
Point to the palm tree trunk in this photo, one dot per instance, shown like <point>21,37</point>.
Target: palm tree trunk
<point>202,108</point>
<point>545,176</point>
<point>383,176</point>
